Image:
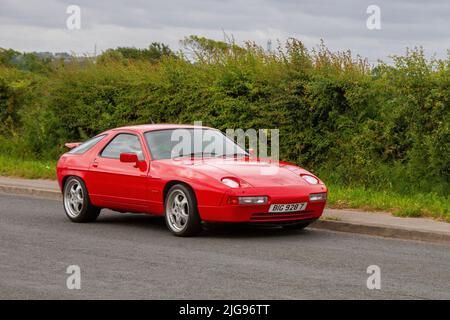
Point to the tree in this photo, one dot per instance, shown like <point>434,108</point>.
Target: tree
<point>155,52</point>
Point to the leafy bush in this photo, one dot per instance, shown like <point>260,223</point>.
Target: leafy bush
<point>384,127</point>
<point>15,90</point>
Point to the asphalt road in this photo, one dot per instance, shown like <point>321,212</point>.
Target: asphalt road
<point>124,256</point>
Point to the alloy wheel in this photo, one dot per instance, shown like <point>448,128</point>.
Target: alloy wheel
<point>73,198</point>
<point>177,209</point>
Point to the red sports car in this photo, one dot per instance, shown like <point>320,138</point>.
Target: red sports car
<point>135,169</point>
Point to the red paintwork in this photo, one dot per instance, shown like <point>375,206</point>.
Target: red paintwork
<point>139,187</point>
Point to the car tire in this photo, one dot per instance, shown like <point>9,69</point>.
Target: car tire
<point>77,205</point>
<point>296,226</point>
<point>181,213</point>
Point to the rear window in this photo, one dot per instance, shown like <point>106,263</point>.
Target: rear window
<point>87,145</point>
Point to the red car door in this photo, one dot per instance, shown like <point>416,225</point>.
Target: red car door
<point>120,185</point>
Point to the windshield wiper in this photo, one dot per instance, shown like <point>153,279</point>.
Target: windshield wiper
<point>233,154</point>
<point>193,154</point>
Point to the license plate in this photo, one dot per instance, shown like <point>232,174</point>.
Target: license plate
<point>288,207</point>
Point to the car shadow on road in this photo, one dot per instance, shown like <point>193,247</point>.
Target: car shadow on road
<point>237,230</point>
<point>210,230</point>
<point>131,219</point>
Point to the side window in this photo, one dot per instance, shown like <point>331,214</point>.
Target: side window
<point>123,142</point>
<point>85,146</point>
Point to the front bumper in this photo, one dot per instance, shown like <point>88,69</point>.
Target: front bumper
<point>225,212</point>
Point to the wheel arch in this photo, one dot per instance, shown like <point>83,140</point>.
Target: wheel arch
<point>64,179</point>
<point>171,183</point>
<point>73,174</point>
<point>67,176</point>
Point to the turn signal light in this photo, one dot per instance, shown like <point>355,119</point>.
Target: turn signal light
<point>248,200</point>
<point>318,196</point>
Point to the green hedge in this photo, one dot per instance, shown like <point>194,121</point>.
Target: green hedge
<point>384,127</point>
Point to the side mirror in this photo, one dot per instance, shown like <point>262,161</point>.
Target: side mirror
<point>129,157</point>
<point>133,158</point>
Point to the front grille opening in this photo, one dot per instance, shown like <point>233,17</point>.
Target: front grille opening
<point>266,216</point>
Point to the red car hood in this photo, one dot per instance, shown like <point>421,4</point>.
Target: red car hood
<point>257,172</point>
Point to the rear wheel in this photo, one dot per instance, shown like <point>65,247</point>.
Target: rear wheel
<point>76,201</point>
<point>182,216</point>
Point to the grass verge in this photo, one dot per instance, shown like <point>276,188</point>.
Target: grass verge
<point>31,169</point>
<point>415,205</point>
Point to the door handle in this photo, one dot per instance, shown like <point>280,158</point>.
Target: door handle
<point>95,164</point>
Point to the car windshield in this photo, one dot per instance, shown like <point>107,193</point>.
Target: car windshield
<point>198,142</point>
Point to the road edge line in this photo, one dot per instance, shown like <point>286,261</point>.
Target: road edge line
<point>382,231</point>
<point>37,192</point>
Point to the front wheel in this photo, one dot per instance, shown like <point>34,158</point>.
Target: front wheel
<point>182,216</point>
<point>77,205</point>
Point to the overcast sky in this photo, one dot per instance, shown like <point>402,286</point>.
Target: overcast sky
<point>40,25</point>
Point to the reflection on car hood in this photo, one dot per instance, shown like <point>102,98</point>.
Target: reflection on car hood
<point>256,172</point>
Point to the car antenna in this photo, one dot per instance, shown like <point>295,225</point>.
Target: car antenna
<point>151,120</point>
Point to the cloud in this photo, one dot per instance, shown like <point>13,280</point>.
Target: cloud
<point>41,25</point>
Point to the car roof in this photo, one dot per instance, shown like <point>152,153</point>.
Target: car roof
<point>153,127</point>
